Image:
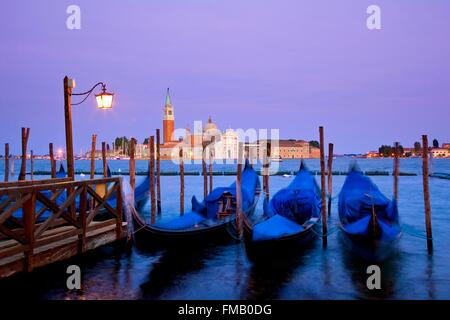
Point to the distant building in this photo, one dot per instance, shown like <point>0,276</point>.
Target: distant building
<point>288,149</point>
<point>446,145</point>
<point>440,152</point>
<point>372,154</point>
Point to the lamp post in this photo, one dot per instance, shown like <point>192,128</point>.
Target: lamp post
<point>104,101</point>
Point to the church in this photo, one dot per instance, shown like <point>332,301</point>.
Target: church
<point>221,145</point>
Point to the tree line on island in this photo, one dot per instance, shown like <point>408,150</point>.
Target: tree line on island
<point>388,151</point>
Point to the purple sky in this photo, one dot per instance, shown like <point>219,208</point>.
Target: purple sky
<point>285,64</point>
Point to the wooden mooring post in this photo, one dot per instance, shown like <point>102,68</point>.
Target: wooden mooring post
<point>204,173</point>
<point>396,168</point>
<point>31,165</point>
<point>105,166</point>
<point>93,148</point>
<point>23,165</point>
<point>239,192</point>
<point>132,165</point>
<point>181,182</point>
<point>7,162</point>
<point>266,164</point>
<point>151,168</point>
<point>52,160</point>
<point>158,171</point>
<point>211,159</point>
<point>330,176</point>
<point>322,185</point>
<point>426,193</point>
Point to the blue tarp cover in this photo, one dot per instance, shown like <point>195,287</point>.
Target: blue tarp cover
<point>275,227</point>
<point>188,220</point>
<point>358,198</point>
<point>300,201</point>
<point>290,208</point>
<point>207,210</point>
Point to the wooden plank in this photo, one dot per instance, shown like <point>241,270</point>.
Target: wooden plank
<point>27,183</point>
<point>51,185</point>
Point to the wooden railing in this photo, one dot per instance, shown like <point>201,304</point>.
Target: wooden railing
<point>34,214</point>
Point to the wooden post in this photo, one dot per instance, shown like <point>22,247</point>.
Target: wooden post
<point>52,160</point>
<point>119,209</point>
<point>330,176</point>
<point>426,192</point>
<point>23,166</point>
<point>132,166</point>
<point>31,165</point>
<point>151,148</point>
<point>239,192</point>
<point>322,184</point>
<point>93,147</point>
<point>105,166</point>
<point>29,226</point>
<point>204,173</point>
<point>211,157</point>
<point>82,219</point>
<point>158,171</point>
<point>68,127</point>
<point>396,169</point>
<point>7,162</point>
<point>266,170</point>
<point>181,182</point>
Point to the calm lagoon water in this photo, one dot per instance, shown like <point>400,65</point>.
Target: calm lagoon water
<point>222,271</point>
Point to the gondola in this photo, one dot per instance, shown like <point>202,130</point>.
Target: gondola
<point>213,217</point>
<point>368,219</point>
<point>289,220</point>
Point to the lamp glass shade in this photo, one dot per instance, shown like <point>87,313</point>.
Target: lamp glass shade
<point>104,100</point>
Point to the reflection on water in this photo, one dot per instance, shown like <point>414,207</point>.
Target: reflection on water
<point>222,270</point>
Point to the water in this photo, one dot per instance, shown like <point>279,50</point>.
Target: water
<point>223,271</point>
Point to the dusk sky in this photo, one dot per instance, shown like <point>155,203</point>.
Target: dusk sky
<point>287,64</point>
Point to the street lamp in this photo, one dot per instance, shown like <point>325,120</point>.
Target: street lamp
<point>104,101</point>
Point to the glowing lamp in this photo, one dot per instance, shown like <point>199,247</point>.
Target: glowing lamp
<point>104,99</point>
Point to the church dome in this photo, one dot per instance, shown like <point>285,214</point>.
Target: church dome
<point>210,127</point>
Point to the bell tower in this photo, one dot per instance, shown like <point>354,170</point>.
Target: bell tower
<point>168,120</point>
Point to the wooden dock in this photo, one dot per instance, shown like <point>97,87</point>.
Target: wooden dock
<point>45,221</point>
